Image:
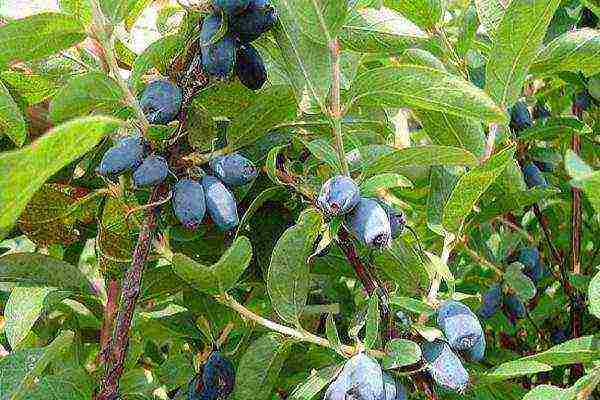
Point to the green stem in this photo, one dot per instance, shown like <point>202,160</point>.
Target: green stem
<point>335,111</point>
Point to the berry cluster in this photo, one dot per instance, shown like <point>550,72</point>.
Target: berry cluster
<point>464,335</point>
<point>191,198</point>
<point>372,222</point>
<point>514,307</point>
<point>215,381</point>
<point>363,378</point>
<point>226,37</point>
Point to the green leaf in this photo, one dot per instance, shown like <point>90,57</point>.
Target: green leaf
<point>38,36</point>
<point>471,186</point>
<point>580,350</point>
<point>412,305</point>
<point>380,31</point>
<point>260,366</point>
<point>425,13</point>
<point>547,392</point>
<point>576,51</point>
<point>307,63</point>
<point>323,151</point>
<point>115,10</point>
<point>158,55</point>
<point>219,277</point>
<point>370,187</point>
<point>425,156</point>
<point>320,20</point>
<point>372,323</point>
<point>401,353</point>
<point>12,123</point>
<point>272,193</point>
<point>315,383</point>
<point>272,107</point>
<point>519,282</point>
<point>20,368</point>
<point>289,275</point>
<point>442,269</point>
<point>594,295</point>
<point>32,88</point>
<point>23,308</point>
<point>69,384</point>
<point>517,42</point>
<point>584,178</point>
<point>442,181</point>
<point>425,88</point>
<point>556,128</point>
<point>92,92</point>
<point>449,130</point>
<point>491,13</point>
<point>24,171</point>
<point>31,269</point>
<point>514,369</point>
<point>468,30</point>
<point>81,9</point>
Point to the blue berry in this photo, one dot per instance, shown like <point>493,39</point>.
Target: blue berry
<point>189,204</point>
<point>370,224</point>
<point>397,220</point>
<point>220,203</point>
<point>491,301</point>
<point>459,324</point>
<point>445,367</point>
<point>248,26</point>
<point>218,376</point>
<point>520,117</point>
<point>127,155</point>
<point>477,352</point>
<point>338,196</point>
<point>161,102</point>
<point>218,57</point>
<point>231,7</point>
<point>393,389</point>
<point>515,307</point>
<point>361,378</point>
<point>533,176</point>
<point>153,171</point>
<point>250,67</point>
<point>234,169</point>
<point>530,258</point>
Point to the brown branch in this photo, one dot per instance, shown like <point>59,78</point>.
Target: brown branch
<point>130,292</point>
<point>110,312</point>
<point>425,385</point>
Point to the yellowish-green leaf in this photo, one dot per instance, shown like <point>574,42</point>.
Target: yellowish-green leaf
<point>12,123</point>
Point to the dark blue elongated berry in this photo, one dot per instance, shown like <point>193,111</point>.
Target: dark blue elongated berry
<point>545,166</point>
<point>559,336</point>
<point>459,324</point>
<point>220,203</point>
<point>161,102</point>
<point>445,367</point>
<point>491,301</point>
<point>153,171</point>
<point>189,204</point>
<point>127,155</point>
<point>218,58</point>
<point>533,176</point>
<point>338,196</point>
<point>530,258</point>
<point>250,67</point>
<point>520,117</point>
<point>218,376</point>
<point>582,101</point>
<point>393,389</point>
<point>231,7</point>
<point>541,112</point>
<point>515,307</point>
<point>248,26</point>
<point>370,224</point>
<point>361,378</point>
<point>233,169</point>
<point>210,28</point>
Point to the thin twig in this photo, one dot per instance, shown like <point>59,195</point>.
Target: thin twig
<point>130,292</point>
<point>482,260</point>
<point>335,107</point>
